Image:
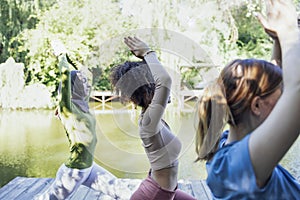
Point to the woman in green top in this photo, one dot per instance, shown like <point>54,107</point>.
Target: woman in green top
<point>80,126</point>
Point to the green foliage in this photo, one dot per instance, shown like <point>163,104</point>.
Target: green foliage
<point>87,26</point>
<point>82,36</point>
<point>252,39</point>
<point>104,82</point>
<point>190,76</point>
<point>16,16</point>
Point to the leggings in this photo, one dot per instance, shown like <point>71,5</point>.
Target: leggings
<point>150,190</point>
<point>68,180</point>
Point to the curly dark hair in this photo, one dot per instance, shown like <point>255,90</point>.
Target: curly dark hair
<point>133,82</point>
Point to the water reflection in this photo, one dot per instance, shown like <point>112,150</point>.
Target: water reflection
<point>33,144</point>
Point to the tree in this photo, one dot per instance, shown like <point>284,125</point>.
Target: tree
<point>82,26</point>
<point>92,31</point>
<point>16,16</point>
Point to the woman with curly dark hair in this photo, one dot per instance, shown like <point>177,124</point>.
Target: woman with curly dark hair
<point>147,84</point>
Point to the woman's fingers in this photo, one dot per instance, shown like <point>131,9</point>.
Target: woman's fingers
<point>58,47</point>
<point>262,20</point>
<point>137,39</point>
<point>269,5</point>
<point>137,46</point>
<point>280,17</point>
<point>131,43</point>
<point>134,43</point>
<point>127,41</point>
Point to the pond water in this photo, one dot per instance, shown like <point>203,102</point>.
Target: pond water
<point>33,144</point>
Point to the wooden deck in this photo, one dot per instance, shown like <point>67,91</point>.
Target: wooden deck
<point>22,188</point>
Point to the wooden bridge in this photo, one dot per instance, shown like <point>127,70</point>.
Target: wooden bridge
<point>22,188</point>
<point>182,97</point>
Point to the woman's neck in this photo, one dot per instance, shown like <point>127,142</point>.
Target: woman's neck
<point>235,134</point>
<point>247,123</point>
<point>239,131</point>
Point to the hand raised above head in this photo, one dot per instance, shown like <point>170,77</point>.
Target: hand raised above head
<point>265,25</point>
<point>137,46</point>
<point>281,18</point>
<point>58,47</point>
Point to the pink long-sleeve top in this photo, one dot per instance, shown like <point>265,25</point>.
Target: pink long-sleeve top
<point>161,146</point>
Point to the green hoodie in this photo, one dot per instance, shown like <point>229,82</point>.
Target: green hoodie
<point>79,123</point>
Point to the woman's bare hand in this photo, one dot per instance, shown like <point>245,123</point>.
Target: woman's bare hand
<point>281,18</point>
<point>137,46</point>
<point>58,47</point>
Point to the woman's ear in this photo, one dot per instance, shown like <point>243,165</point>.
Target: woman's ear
<point>256,106</point>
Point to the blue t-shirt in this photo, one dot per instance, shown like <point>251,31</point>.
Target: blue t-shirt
<point>231,175</point>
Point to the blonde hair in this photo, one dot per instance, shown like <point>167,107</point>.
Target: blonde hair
<point>227,99</point>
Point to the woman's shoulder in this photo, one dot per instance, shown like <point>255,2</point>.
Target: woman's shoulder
<point>232,165</point>
<point>231,159</point>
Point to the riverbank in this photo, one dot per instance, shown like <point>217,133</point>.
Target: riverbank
<point>34,144</point>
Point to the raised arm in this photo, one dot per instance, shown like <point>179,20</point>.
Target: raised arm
<point>162,80</point>
<point>65,92</point>
<point>276,57</point>
<point>272,139</point>
<point>64,69</point>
